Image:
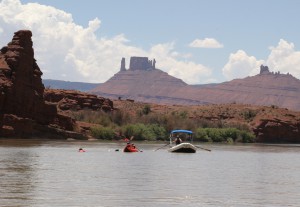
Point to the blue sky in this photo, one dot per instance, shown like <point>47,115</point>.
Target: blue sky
<point>198,41</point>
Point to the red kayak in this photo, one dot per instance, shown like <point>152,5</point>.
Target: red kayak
<point>130,148</point>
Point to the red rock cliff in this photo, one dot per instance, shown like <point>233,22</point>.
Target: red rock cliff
<point>22,106</point>
<point>76,100</point>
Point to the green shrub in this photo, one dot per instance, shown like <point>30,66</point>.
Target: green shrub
<point>230,133</point>
<point>144,132</point>
<point>229,140</point>
<point>158,132</point>
<point>90,116</point>
<point>215,134</point>
<point>120,118</point>
<point>223,135</point>
<point>146,109</point>
<point>103,133</point>
<point>249,114</point>
<point>246,137</point>
<point>201,135</point>
<point>183,114</point>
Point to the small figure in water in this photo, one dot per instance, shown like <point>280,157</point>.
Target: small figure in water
<point>81,150</point>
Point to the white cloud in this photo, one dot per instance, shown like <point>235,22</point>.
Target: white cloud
<point>67,51</point>
<point>240,65</point>
<point>206,43</point>
<point>284,58</point>
<point>188,71</point>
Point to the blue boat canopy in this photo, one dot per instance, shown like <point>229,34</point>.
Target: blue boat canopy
<point>181,131</point>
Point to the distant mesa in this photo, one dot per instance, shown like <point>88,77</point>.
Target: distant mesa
<point>138,63</point>
<point>145,83</point>
<point>141,82</point>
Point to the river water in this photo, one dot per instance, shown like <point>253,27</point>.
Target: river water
<point>53,173</point>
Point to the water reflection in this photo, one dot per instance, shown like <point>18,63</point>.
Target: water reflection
<point>17,176</point>
<point>55,174</point>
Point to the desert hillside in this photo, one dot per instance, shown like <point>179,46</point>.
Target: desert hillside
<point>148,84</point>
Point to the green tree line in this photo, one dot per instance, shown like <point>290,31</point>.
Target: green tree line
<point>146,125</point>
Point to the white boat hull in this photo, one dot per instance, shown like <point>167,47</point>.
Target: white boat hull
<point>183,148</point>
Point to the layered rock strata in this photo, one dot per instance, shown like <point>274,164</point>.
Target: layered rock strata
<point>75,100</point>
<point>23,110</point>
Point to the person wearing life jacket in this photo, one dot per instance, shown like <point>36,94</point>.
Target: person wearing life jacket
<point>81,150</point>
<point>178,140</point>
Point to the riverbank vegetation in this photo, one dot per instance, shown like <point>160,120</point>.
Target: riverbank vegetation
<point>144,124</point>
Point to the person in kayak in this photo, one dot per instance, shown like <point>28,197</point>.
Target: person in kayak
<point>129,145</point>
<point>131,148</point>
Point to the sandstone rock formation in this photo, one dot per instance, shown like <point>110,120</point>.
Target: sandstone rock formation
<point>264,70</point>
<point>23,110</point>
<point>75,100</point>
<point>123,65</point>
<point>266,89</point>
<point>141,63</point>
<point>155,86</point>
<point>140,84</point>
<point>277,130</point>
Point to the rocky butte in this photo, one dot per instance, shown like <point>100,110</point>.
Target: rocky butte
<point>143,82</point>
<point>25,109</point>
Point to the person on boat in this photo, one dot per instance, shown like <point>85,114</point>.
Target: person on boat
<point>81,150</point>
<point>178,140</point>
<point>128,145</point>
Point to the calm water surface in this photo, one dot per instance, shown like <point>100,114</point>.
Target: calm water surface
<point>53,173</point>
